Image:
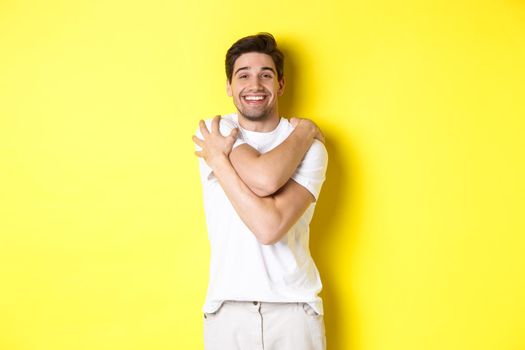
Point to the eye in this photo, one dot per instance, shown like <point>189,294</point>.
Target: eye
<point>269,76</point>
<point>243,76</point>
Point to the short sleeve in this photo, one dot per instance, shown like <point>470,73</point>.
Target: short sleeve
<point>312,170</point>
<point>225,127</point>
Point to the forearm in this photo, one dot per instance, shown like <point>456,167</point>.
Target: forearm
<point>267,172</point>
<point>260,215</point>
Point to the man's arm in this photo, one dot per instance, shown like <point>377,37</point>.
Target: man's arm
<point>265,173</point>
<point>270,217</point>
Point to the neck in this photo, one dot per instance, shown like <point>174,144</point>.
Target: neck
<point>265,125</point>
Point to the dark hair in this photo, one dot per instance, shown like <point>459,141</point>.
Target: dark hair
<point>263,43</point>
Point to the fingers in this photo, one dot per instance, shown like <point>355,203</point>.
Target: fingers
<point>197,141</point>
<point>215,124</point>
<point>234,133</point>
<point>203,128</point>
<point>232,137</point>
<point>295,121</point>
<point>198,154</point>
<point>320,136</point>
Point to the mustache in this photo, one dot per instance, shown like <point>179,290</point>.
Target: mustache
<point>262,89</point>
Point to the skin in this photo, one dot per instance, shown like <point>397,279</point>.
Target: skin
<point>259,185</point>
<point>268,218</point>
<point>254,74</point>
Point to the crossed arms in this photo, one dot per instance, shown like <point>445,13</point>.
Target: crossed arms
<point>259,186</point>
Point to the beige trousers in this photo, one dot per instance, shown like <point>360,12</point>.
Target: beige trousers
<point>247,325</point>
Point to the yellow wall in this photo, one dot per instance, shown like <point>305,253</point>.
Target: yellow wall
<point>419,229</point>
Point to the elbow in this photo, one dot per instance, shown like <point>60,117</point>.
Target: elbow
<point>264,185</point>
<point>270,228</point>
<point>270,237</point>
<point>260,191</point>
<point>268,240</point>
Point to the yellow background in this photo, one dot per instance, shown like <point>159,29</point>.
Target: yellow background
<point>419,232</point>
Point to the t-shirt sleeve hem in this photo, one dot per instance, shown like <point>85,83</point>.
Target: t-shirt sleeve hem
<point>306,183</point>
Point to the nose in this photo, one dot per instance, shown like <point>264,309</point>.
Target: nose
<point>255,84</point>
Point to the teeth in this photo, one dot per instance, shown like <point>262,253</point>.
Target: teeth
<point>254,98</point>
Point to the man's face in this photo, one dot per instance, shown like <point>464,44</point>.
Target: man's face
<point>255,86</point>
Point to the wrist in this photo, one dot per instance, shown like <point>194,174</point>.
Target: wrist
<point>220,163</point>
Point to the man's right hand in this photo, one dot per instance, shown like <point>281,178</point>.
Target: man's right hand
<point>307,123</point>
<point>214,147</point>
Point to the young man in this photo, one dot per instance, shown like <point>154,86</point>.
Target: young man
<point>261,176</point>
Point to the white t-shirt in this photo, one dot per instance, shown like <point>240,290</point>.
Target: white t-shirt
<point>243,269</point>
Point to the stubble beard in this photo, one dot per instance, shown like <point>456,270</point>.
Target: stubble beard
<point>254,115</point>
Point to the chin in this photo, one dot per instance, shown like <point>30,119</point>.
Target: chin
<point>254,115</point>
<point>255,118</point>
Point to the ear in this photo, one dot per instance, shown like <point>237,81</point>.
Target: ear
<point>281,87</point>
<point>229,88</point>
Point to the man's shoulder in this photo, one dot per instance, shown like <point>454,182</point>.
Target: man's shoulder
<point>318,150</point>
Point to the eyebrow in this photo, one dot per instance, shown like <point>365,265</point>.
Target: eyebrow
<point>248,68</point>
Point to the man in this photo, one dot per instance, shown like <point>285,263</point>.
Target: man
<point>261,175</point>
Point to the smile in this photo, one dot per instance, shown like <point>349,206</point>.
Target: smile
<point>254,99</point>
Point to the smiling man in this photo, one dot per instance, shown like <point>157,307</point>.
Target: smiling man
<point>261,176</point>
